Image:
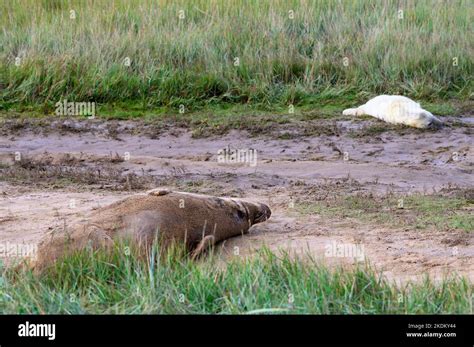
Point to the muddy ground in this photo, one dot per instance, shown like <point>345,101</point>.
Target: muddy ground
<point>54,172</point>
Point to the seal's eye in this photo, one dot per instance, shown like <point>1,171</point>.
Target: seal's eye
<point>240,214</point>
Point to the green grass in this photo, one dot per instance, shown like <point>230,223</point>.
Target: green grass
<point>416,211</point>
<point>117,282</point>
<point>190,61</point>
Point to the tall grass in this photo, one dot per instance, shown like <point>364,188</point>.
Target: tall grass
<point>118,282</point>
<point>191,61</point>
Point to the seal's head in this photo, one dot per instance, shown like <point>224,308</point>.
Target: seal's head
<point>262,213</point>
<point>423,119</point>
<point>256,212</point>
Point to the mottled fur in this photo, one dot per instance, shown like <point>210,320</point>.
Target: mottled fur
<point>198,221</point>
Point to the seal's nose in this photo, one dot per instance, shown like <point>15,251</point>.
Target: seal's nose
<point>263,214</point>
<point>267,210</point>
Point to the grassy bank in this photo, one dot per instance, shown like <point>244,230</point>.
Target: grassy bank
<point>417,211</point>
<point>267,54</point>
<point>267,283</point>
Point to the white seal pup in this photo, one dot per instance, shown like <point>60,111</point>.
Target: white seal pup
<point>396,109</point>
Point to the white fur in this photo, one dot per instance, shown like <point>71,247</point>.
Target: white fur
<point>396,109</point>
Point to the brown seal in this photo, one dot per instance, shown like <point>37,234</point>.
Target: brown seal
<point>198,221</point>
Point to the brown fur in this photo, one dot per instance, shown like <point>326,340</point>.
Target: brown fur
<point>198,221</point>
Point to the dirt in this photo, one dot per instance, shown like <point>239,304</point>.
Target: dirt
<point>51,177</point>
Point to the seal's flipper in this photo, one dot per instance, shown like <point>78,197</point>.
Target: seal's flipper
<point>158,192</point>
<point>202,246</point>
<point>358,111</point>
